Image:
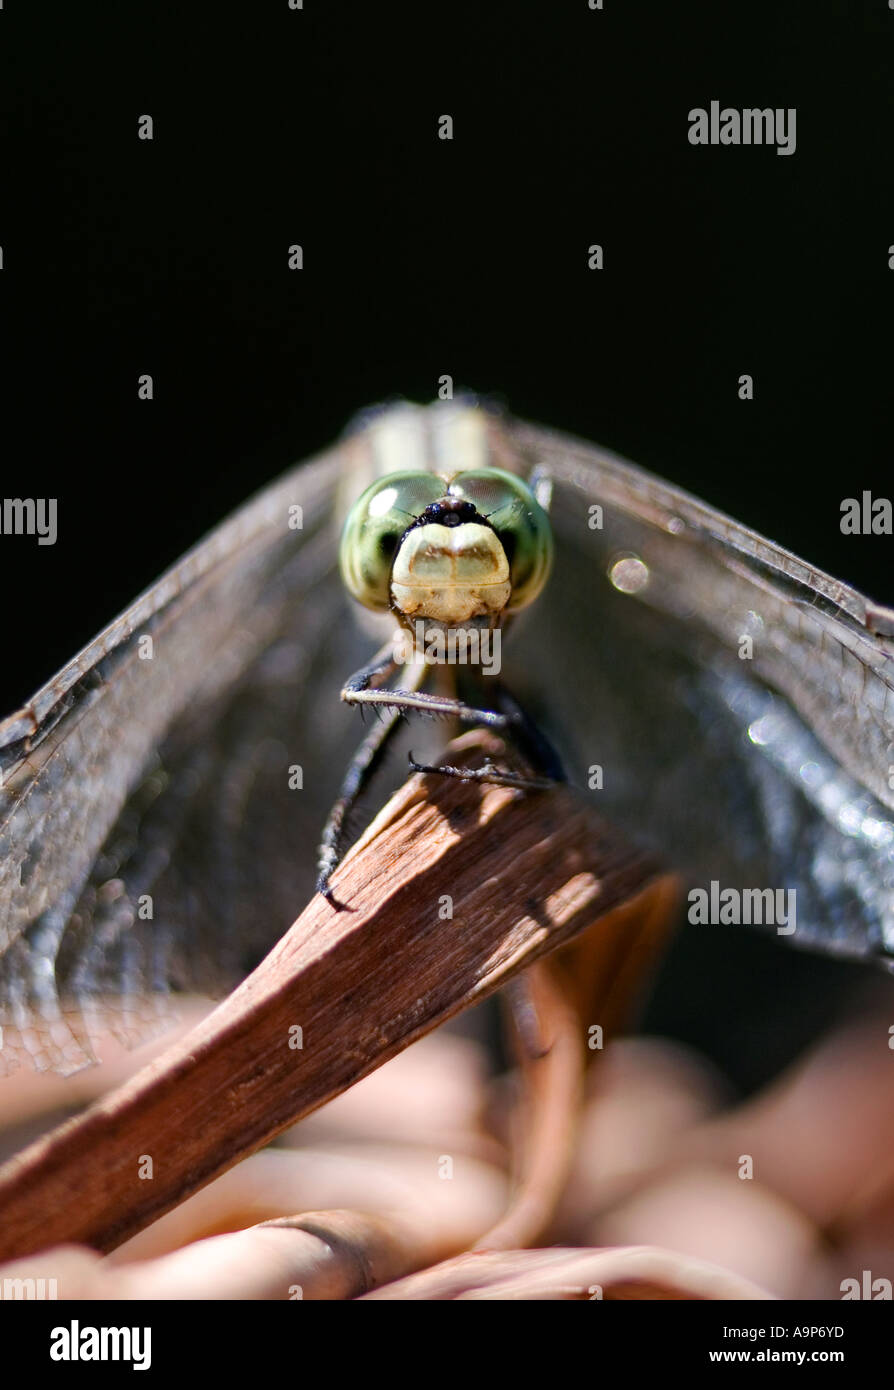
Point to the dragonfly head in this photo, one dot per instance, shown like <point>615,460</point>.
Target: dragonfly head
<point>447,548</point>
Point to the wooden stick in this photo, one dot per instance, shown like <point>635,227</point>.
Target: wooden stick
<point>455,887</point>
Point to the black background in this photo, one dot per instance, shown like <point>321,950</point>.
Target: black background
<point>424,257</point>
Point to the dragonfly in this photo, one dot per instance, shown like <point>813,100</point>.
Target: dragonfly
<point>161,797</point>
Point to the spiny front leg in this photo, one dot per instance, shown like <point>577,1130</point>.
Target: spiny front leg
<point>533,743</point>
<point>424,703</point>
<point>488,773</point>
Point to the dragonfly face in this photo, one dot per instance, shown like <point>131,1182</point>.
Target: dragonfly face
<point>449,549</point>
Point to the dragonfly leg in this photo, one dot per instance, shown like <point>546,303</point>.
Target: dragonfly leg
<point>360,692</point>
<point>361,769</point>
<point>532,742</point>
<point>487,773</point>
<point>363,689</point>
<point>367,758</point>
<point>369,677</point>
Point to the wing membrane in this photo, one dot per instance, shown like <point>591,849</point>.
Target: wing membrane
<point>772,769</point>
<point>71,758</point>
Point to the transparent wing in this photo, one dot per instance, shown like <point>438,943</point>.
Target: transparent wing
<point>764,764</point>
<point>130,806</point>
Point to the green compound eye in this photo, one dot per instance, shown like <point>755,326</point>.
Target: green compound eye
<point>374,526</point>
<point>521,524</point>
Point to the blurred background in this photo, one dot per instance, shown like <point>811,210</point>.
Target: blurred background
<point>424,257</point>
